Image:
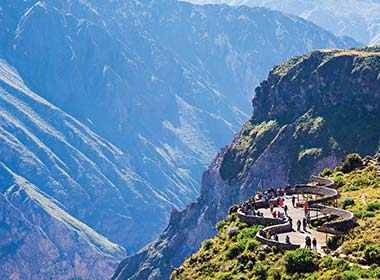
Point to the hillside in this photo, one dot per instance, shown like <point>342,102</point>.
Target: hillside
<point>307,115</point>
<point>47,159</point>
<point>355,255</point>
<point>140,75</point>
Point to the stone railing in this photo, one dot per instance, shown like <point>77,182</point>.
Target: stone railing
<point>347,221</point>
<point>327,194</point>
<point>276,229</point>
<point>325,182</point>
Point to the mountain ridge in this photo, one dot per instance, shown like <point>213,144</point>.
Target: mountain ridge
<point>292,134</point>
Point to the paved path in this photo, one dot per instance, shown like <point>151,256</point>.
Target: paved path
<point>298,237</point>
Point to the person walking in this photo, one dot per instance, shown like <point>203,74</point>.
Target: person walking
<point>314,244</point>
<point>290,221</point>
<point>294,201</point>
<point>299,225</point>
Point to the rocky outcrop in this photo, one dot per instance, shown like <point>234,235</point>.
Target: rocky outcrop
<point>309,113</point>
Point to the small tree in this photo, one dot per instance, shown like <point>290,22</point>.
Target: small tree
<point>352,162</point>
<point>326,172</point>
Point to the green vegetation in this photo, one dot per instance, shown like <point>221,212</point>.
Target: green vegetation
<point>352,162</point>
<point>254,139</point>
<point>300,260</point>
<point>235,253</point>
<point>372,253</point>
<point>326,172</point>
<point>339,181</point>
<point>287,66</point>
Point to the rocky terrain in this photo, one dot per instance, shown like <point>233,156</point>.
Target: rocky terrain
<point>157,86</point>
<point>307,115</point>
<point>358,19</point>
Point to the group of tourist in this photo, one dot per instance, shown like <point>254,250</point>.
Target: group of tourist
<point>249,208</point>
<point>271,193</point>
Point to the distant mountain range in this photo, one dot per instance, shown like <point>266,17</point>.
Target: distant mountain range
<point>111,110</point>
<point>359,19</point>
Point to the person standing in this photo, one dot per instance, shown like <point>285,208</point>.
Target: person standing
<point>286,209</point>
<point>287,239</point>
<point>304,223</point>
<point>294,201</point>
<point>308,242</point>
<point>314,244</point>
<point>290,221</point>
<point>306,208</point>
<point>299,225</point>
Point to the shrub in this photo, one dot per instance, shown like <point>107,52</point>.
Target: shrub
<point>339,181</point>
<point>252,245</point>
<point>350,275</point>
<point>207,245</point>
<point>372,254</point>
<point>235,250</point>
<point>340,265</point>
<point>334,242</point>
<point>220,226</point>
<point>373,206</point>
<point>347,201</point>
<point>260,271</point>
<point>326,172</point>
<point>231,218</point>
<point>364,214</point>
<point>375,272</point>
<point>352,162</point>
<point>249,232</point>
<point>300,260</point>
<point>351,188</point>
<point>327,262</point>
<point>225,276</point>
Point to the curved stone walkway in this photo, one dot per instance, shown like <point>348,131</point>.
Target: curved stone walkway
<point>320,194</point>
<point>298,237</point>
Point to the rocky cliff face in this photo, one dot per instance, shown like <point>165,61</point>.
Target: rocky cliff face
<point>307,115</point>
<point>166,82</point>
